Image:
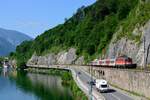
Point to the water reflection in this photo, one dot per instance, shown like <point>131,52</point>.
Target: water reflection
<point>9,91</point>
<point>5,71</point>
<point>28,86</point>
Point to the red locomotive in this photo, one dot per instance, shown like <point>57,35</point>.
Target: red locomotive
<point>119,62</point>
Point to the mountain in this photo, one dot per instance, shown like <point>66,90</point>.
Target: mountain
<point>93,30</point>
<point>5,47</point>
<point>13,37</point>
<point>9,39</point>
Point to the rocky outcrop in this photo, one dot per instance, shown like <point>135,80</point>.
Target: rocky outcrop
<point>147,41</point>
<point>51,59</point>
<point>13,63</point>
<point>67,57</point>
<point>33,60</point>
<point>80,61</point>
<point>64,57</point>
<point>133,49</point>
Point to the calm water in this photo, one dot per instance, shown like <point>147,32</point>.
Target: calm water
<point>28,86</point>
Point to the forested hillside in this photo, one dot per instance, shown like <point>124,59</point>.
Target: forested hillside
<point>90,30</point>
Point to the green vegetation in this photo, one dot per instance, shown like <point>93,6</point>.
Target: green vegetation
<point>23,53</point>
<point>89,30</point>
<point>1,61</point>
<point>67,80</point>
<point>136,18</point>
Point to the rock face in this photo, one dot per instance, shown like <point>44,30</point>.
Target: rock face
<point>63,57</point>
<point>67,57</point>
<point>13,63</point>
<point>33,60</point>
<point>147,41</point>
<point>80,61</point>
<point>51,59</point>
<point>131,48</point>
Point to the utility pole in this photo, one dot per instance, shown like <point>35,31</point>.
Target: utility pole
<point>148,48</point>
<point>144,65</point>
<point>91,96</point>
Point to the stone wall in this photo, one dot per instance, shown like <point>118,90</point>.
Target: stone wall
<point>134,81</point>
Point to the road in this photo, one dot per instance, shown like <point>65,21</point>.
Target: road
<point>111,95</point>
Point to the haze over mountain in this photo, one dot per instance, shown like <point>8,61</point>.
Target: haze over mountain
<point>9,39</point>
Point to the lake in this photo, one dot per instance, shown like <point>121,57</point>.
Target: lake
<point>29,86</point>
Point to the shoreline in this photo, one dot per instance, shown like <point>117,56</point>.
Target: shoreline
<point>67,79</point>
<point>86,89</point>
<point>81,85</point>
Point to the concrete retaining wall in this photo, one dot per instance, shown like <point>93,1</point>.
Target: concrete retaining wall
<point>130,80</point>
<point>134,81</point>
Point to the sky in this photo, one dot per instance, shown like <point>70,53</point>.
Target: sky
<point>33,17</point>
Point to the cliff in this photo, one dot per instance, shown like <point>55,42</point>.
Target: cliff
<point>131,48</point>
<point>62,58</point>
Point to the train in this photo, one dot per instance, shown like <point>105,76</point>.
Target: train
<point>118,62</point>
